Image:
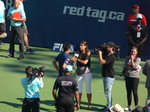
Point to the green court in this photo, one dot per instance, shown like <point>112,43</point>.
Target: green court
<point>12,70</point>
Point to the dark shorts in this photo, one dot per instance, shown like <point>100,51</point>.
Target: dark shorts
<point>2,27</point>
<point>24,28</point>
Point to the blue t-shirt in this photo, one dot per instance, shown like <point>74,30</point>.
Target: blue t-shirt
<point>2,9</point>
<point>13,10</point>
<point>31,88</point>
<point>62,58</point>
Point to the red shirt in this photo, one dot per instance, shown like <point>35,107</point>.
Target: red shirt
<point>132,19</point>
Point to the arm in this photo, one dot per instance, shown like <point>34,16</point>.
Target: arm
<point>143,40</point>
<point>77,99</point>
<point>100,58</point>
<point>86,59</point>
<point>54,94</point>
<point>55,65</point>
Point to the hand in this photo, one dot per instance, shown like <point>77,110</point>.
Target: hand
<point>41,74</point>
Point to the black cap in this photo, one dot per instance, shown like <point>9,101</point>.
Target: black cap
<point>111,44</point>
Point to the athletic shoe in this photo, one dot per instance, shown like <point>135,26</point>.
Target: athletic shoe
<point>30,51</point>
<point>14,51</point>
<point>128,108</point>
<point>89,108</point>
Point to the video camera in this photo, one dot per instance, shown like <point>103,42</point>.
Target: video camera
<point>36,72</point>
<point>102,47</point>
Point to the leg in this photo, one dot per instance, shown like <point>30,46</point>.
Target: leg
<point>88,80</point>
<point>26,107</point>
<point>20,39</point>
<point>140,50</point>
<point>135,82</point>
<point>80,80</point>
<point>108,83</point>
<point>148,96</point>
<point>36,105</point>
<point>128,89</point>
<point>26,40</point>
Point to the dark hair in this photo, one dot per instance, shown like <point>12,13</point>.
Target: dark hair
<point>26,69</point>
<point>85,44</point>
<point>66,46</point>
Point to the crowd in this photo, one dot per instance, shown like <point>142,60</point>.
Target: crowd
<point>66,90</point>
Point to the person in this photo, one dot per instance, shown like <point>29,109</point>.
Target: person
<point>116,108</point>
<point>25,30</point>
<point>63,59</point>
<point>108,75</point>
<point>68,88</point>
<point>147,107</point>
<point>138,109</point>
<point>137,35</point>
<point>84,72</point>
<point>132,17</point>
<point>2,22</point>
<point>31,87</point>
<point>146,72</point>
<point>131,73</point>
<point>16,16</point>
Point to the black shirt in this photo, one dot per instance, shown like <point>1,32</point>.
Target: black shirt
<point>133,29</point>
<point>67,85</point>
<point>107,69</point>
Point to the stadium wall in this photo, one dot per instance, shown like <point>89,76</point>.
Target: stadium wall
<point>96,21</point>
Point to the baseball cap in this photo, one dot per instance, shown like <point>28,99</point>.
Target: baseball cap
<point>111,44</point>
<point>136,6</point>
<point>138,16</point>
<point>68,68</point>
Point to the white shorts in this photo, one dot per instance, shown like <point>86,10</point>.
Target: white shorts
<point>88,79</point>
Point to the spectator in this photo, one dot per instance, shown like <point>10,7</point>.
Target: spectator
<point>67,86</point>
<point>16,16</point>
<point>132,17</point>
<point>137,35</point>
<point>2,22</point>
<point>25,30</point>
<point>146,72</point>
<point>31,87</point>
<point>84,72</point>
<point>108,72</point>
<point>138,109</point>
<point>63,59</point>
<point>132,75</point>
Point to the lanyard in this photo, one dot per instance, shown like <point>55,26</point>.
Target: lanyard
<point>138,28</point>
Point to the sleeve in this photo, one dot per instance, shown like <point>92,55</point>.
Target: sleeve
<point>144,19</point>
<point>110,59</point>
<point>23,14</point>
<point>144,69</point>
<point>137,63</point>
<point>41,85</point>
<point>145,32</point>
<point>57,58</point>
<point>67,59</point>
<point>8,13</point>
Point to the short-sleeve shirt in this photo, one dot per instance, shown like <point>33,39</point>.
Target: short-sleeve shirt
<point>2,9</point>
<point>107,69</point>
<point>31,88</point>
<point>133,29</point>
<point>67,85</point>
<point>62,58</point>
<point>13,10</point>
<point>132,19</point>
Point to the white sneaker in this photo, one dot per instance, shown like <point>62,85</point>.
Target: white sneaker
<point>128,108</point>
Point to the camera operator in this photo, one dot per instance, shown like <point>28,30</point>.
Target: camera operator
<point>108,72</point>
<point>68,88</point>
<point>32,93</point>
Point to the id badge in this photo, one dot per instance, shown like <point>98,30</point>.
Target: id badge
<point>138,34</point>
